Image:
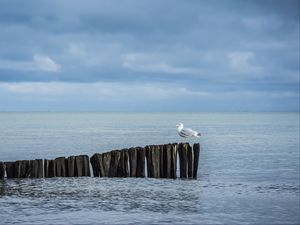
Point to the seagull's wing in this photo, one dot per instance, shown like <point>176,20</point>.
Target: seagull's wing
<point>188,132</point>
<point>181,134</point>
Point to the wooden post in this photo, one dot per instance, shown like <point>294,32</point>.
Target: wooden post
<point>26,166</point>
<point>22,168</point>
<point>52,168</point>
<point>132,152</point>
<point>18,169</point>
<point>46,165</point>
<point>101,165</point>
<point>182,151</point>
<point>122,170</point>
<point>115,158</point>
<point>166,165</point>
<point>10,169</point>
<point>112,164</point>
<point>95,161</point>
<point>190,161</point>
<point>82,167</point>
<point>33,169</point>
<point>86,166</point>
<point>2,170</point>
<point>49,168</point>
<point>36,168</point>
<point>196,149</point>
<point>106,160</point>
<point>153,161</point>
<point>61,167</point>
<point>78,166</point>
<point>140,167</point>
<point>40,168</point>
<point>156,161</point>
<point>163,161</point>
<point>71,166</point>
<point>46,168</point>
<point>125,162</point>
<point>149,161</point>
<point>173,170</point>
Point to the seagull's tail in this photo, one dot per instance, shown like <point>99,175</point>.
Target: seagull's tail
<point>198,135</point>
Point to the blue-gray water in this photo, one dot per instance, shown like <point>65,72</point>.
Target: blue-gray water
<point>248,172</point>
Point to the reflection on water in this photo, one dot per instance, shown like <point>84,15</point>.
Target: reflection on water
<point>84,200</point>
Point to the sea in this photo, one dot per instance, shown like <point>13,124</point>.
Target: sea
<point>248,171</point>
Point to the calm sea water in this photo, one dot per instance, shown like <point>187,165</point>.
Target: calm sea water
<point>248,172</point>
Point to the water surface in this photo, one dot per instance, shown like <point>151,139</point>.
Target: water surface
<point>248,171</point>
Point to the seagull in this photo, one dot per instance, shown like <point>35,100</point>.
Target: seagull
<point>186,132</point>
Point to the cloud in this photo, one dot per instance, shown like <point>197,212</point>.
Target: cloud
<point>261,23</point>
<point>200,48</point>
<point>44,63</point>
<point>243,62</point>
<point>102,90</point>
<point>107,96</point>
<point>155,64</point>
<point>39,63</point>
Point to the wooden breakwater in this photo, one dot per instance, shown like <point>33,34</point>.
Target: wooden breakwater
<point>153,161</point>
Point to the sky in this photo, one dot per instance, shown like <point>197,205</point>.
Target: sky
<point>149,56</point>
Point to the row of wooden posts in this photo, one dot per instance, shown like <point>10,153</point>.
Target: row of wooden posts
<point>160,161</point>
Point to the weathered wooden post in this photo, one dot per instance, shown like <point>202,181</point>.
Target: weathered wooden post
<point>196,150</point>
<point>115,158</point>
<point>96,161</point>
<point>36,168</point>
<point>61,167</point>
<point>46,166</point>
<point>149,161</point>
<point>10,169</point>
<point>118,167</point>
<point>122,170</point>
<point>111,164</point>
<point>71,166</point>
<point>82,167</point>
<point>106,161</point>
<point>49,168</point>
<point>132,152</point>
<point>165,162</point>
<point>173,172</point>
<point>140,167</point>
<point>168,162</point>
<point>190,161</point>
<point>149,156</point>
<point>156,161</point>
<point>2,170</point>
<point>18,169</point>
<point>22,168</point>
<point>153,160</point>
<point>26,167</point>
<point>78,166</point>
<point>182,151</point>
<point>125,162</point>
<point>86,166</point>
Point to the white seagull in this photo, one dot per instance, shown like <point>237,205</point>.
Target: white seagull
<point>186,132</point>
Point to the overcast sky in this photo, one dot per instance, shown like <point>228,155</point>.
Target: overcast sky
<point>136,55</point>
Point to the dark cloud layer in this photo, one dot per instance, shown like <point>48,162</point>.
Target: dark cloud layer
<point>212,46</point>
